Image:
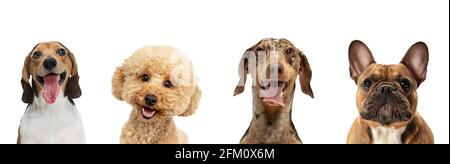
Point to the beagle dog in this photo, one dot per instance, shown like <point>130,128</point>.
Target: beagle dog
<point>51,116</point>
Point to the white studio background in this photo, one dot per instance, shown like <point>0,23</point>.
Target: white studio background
<point>214,34</point>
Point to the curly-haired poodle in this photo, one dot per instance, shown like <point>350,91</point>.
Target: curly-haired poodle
<point>159,83</point>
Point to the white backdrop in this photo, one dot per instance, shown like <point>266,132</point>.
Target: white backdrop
<point>214,34</point>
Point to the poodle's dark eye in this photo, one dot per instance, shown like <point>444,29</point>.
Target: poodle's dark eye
<point>61,52</point>
<point>37,54</point>
<point>405,84</point>
<point>145,77</point>
<point>367,83</point>
<point>168,84</point>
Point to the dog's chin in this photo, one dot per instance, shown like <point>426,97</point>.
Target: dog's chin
<point>273,96</point>
<point>148,112</point>
<point>387,111</point>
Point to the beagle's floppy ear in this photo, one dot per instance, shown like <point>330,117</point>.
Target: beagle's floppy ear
<point>27,95</point>
<point>117,83</point>
<point>305,75</point>
<point>195,99</point>
<point>73,89</point>
<point>243,68</point>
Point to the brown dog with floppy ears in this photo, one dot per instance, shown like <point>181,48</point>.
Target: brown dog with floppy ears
<point>387,97</point>
<point>274,65</point>
<point>51,115</point>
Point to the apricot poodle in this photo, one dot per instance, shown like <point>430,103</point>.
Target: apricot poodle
<point>159,83</point>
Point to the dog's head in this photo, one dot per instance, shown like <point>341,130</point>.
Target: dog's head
<point>158,82</point>
<point>387,93</point>
<point>274,65</point>
<point>53,69</point>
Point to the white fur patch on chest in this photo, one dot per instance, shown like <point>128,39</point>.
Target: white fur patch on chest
<point>57,123</point>
<point>387,135</point>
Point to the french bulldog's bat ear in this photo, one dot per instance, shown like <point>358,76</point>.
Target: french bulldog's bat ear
<point>305,74</point>
<point>359,57</point>
<point>416,59</point>
<point>249,55</point>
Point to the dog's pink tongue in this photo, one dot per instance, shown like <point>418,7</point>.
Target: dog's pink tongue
<point>51,88</point>
<point>274,96</point>
<point>148,112</point>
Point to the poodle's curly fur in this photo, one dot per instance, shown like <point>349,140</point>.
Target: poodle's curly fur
<point>159,64</point>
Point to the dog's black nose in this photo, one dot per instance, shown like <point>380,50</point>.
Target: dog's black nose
<point>150,100</point>
<point>386,88</point>
<point>50,63</point>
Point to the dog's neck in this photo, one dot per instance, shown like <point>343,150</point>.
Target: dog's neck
<point>266,116</point>
<point>272,125</point>
<point>272,117</point>
<point>60,103</point>
<point>58,122</point>
<point>403,133</point>
<point>156,130</point>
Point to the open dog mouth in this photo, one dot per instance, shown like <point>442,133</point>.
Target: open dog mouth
<point>51,83</point>
<point>148,112</point>
<point>51,77</point>
<point>272,92</point>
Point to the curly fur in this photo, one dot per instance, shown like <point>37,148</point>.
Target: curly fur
<point>161,63</point>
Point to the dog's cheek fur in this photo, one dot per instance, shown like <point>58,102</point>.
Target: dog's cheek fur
<point>130,90</point>
<point>176,100</point>
<point>413,98</point>
<point>194,101</point>
<point>360,99</point>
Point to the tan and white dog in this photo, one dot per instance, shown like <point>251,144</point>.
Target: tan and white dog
<point>51,116</point>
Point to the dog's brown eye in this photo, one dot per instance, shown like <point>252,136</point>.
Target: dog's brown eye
<point>37,54</point>
<point>290,51</point>
<point>145,77</point>
<point>405,83</point>
<point>259,49</point>
<point>367,83</point>
<point>61,52</point>
<point>168,84</point>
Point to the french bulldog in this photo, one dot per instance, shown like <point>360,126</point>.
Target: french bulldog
<point>387,98</point>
